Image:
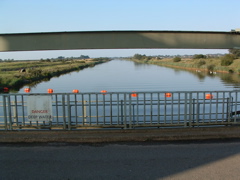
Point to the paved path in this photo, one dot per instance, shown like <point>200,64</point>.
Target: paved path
<point>186,161</point>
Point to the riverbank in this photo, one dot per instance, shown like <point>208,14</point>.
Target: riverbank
<point>16,74</point>
<point>209,65</point>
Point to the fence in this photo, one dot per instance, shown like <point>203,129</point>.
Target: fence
<point>119,110</point>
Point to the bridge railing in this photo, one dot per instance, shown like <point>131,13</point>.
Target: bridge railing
<point>119,110</point>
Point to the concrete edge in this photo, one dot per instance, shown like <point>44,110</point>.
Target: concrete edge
<point>111,136</point>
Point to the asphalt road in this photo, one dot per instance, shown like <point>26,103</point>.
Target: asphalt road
<point>139,160</point>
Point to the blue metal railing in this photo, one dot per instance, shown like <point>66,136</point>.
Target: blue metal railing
<point>123,110</point>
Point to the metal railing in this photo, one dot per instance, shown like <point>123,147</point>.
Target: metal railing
<point>124,110</point>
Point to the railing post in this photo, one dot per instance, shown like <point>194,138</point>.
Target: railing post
<point>193,112</point>
<point>5,112</point>
<point>121,110</point>
<point>229,110</point>
<point>125,113</point>
<point>9,112</point>
<point>64,113</point>
<point>130,111</point>
<point>69,112</point>
<point>185,111</point>
<point>190,118</point>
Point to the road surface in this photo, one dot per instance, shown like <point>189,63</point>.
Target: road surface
<point>131,160</point>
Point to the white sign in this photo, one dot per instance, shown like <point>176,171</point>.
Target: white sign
<point>39,108</point>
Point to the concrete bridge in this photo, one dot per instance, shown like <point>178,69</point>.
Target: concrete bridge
<point>120,40</point>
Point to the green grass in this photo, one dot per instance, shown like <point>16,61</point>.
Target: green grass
<point>211,64</point>
<point>10,75</point>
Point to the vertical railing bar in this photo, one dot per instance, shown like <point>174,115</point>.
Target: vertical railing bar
<point>83,110</point>
<point>97,118</point>
<point>172,102</point>
<point>165,109</point>
<point>228,113</point>
<point>151,106</point>
<point>104,109</point>
<point>193,111</point>
<point>121,112</point>
<point>158,104</point>
<point>236,97</point>
<point>16,110</point>
<point>118,109</point>
<point>185,110</point>
<point>197,110</point>
<point>223,108</point>
<point>190,109</point>
<point>90,108</point>
<point>111,109</point>
<point>230,107</point>
<point>76,110</point>
<point>210,110</point>
<point>57,115</point>
<point>23,112</point>
<point>125,111</point>
<point>10,112</point>
<point>217,101</point>
<point>144,108</point>
<point>130,110</point>
<point>179,107</point>
<point>63,110</point>
<point>137,113</point>
<point>204,107</point>
<point>5,112</point>
<point>69,111</point>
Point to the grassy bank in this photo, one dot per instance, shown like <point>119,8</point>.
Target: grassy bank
<point>16,74</point>
<point>208,64</point>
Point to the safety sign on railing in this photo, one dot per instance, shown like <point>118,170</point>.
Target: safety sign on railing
<point>39,108</point>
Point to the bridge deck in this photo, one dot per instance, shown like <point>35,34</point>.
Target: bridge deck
<point>119,40</point>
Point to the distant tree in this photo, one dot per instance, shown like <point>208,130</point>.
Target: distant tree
<point>227,60</point>
<point>84,57</point>
<point>199,56</point>
<point>177,59</point>
<point>235,52</point>
<point>61,57</point>
<point>139,56</point>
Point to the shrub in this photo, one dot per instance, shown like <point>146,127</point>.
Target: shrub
<point>35,72</point>
<point>176,59</point>
<point>210,67</point>
<point>199,56</point>
<point>227,60</point>
<point>235,52</point>
<point>201,62</point>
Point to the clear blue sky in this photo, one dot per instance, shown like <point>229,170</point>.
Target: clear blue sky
<point>18,16</point>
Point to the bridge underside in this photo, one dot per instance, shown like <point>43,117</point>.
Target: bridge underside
<point>119,40</point>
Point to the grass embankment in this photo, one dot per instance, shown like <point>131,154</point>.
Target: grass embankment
<point>208,64</point>
<point>12,77</point>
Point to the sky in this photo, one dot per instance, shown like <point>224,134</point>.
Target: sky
<point>21,16</point>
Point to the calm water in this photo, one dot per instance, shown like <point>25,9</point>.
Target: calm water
<point>127,76</point>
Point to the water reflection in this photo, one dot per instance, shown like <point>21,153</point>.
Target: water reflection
<point>127,76</point>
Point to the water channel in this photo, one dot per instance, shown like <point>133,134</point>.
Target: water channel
<point>150,106</point>
<point>127,76</point>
